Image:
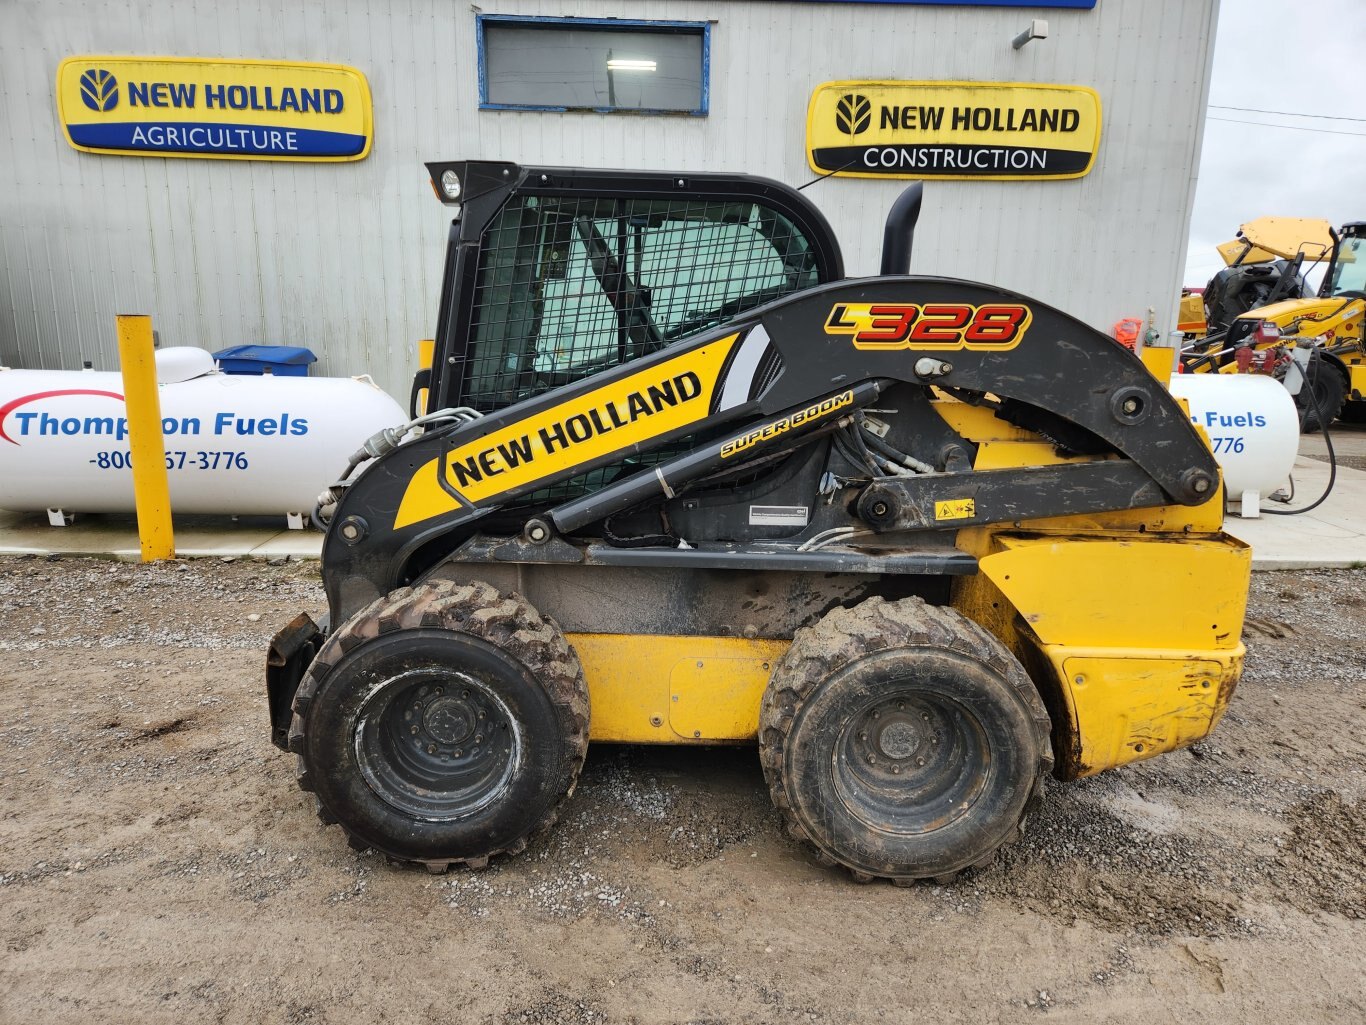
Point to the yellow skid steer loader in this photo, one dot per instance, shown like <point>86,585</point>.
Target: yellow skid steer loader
<point>922,540</point>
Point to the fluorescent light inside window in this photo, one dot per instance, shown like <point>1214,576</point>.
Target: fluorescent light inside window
<point>620,64</point>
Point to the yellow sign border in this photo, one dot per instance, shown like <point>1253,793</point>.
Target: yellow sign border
<point>960,84</point>
<point>369,118</point>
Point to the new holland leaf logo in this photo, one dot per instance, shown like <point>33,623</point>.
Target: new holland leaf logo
<point>853,114</point>
<point>99,90</point>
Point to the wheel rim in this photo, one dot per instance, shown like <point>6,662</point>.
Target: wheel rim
<point>436,743</point>
<point>911,762</point>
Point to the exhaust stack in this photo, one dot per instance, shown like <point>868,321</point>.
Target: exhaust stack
<point>899,234</point>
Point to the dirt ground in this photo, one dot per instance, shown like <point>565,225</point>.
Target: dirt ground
<point>158,864</point>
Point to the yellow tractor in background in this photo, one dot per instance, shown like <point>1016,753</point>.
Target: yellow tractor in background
<point>1261,316</point>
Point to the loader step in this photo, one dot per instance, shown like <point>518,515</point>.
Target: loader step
<point>927,559</point>
<point>942,561</point>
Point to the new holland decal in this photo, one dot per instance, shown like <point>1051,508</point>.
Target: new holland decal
<point>992,130</point>
<point>933,326</point>
<point>570,435</point>
<point>229,109</point>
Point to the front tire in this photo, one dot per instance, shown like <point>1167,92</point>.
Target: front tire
<point>902,741</point>
<point>443,724</point>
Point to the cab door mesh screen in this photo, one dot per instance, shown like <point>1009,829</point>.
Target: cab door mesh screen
<point>570,287</point>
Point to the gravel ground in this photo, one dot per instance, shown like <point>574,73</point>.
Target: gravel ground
<point>158,864</point>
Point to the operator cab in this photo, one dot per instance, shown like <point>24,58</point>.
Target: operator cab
<point>1347,273</point>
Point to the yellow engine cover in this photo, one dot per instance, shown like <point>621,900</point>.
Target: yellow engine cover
<point>1137,641</point>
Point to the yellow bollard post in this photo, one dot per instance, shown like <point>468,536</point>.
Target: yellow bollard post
<point>1160,361</point>
<point>151,490</point>
<point>424,362</point>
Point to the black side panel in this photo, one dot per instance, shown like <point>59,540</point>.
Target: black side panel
<point>1054,362</point>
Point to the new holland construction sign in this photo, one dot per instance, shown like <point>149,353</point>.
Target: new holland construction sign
<point>991,130</point>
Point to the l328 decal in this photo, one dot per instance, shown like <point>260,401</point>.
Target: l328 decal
<point>892,326</point>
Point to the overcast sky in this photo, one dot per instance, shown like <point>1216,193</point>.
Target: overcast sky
<point>1306,56</point>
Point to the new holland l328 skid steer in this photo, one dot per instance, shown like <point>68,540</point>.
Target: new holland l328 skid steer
<point>924,540</point>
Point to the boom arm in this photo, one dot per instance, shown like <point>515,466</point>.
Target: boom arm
<point>768,381</point>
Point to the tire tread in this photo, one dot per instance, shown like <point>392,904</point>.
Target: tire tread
<point>506,620</point>
<point>842,636</point>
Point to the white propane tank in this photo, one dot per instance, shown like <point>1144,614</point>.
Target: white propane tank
<point>234,444</point>
<point>1253,427</point>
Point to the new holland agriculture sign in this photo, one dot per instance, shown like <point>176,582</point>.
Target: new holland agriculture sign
<point>992,130</point>
<point>228,109</point>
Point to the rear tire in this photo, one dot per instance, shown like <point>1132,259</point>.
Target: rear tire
<point>902,741</point>
<point>1329,389</point>
<point>443,724</point>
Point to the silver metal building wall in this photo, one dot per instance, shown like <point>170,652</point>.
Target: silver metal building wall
<point>346,258</point>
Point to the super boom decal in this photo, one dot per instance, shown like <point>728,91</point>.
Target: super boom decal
<point>784,424</point>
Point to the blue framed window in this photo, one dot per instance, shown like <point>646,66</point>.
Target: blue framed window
<point>604,65</point>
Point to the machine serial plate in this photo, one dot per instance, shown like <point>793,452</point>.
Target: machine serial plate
<point>777,515</point>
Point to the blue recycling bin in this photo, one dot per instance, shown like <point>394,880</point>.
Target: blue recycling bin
<point>279,360</point>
